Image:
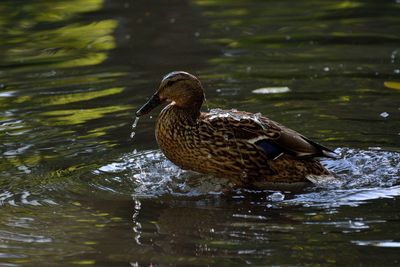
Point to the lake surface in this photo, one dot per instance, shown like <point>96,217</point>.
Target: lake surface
<point>75,189</point>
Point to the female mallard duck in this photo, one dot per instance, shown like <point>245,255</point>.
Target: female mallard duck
<point>246,148</point>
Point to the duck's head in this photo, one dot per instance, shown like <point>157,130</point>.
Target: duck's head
<point>180,88</point>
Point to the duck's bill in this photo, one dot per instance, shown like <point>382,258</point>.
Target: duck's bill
<point>153,102</point>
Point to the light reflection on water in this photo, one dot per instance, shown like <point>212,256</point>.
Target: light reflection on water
<point>73,72</point>
<point>379,243</point>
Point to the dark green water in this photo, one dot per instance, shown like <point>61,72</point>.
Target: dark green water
<point>75,189</point>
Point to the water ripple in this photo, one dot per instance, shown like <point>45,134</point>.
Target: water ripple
<point>26,238</point>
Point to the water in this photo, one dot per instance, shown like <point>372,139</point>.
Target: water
<point>75,189</point>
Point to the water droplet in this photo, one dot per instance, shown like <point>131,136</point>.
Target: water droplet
<point>276,196</point>
<point>393,56</point>
<point>135,123</point>
<point>384,114</point>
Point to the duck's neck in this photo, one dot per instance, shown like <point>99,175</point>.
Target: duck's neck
<point>179,115</point>
<point>175,131</point>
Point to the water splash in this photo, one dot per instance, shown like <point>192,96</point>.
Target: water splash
<point>360,175</point>
<point>365,168</point>
<point>220,113</point>
<point>236,115</point>
<point>150,174</point>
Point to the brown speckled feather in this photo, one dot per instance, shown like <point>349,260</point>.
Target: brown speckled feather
<point>245,125</point>
<point>220,145</point>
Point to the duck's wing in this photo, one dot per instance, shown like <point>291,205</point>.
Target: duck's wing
<point>273,138</point>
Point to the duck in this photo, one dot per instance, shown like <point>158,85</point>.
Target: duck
<point>246,148</point>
